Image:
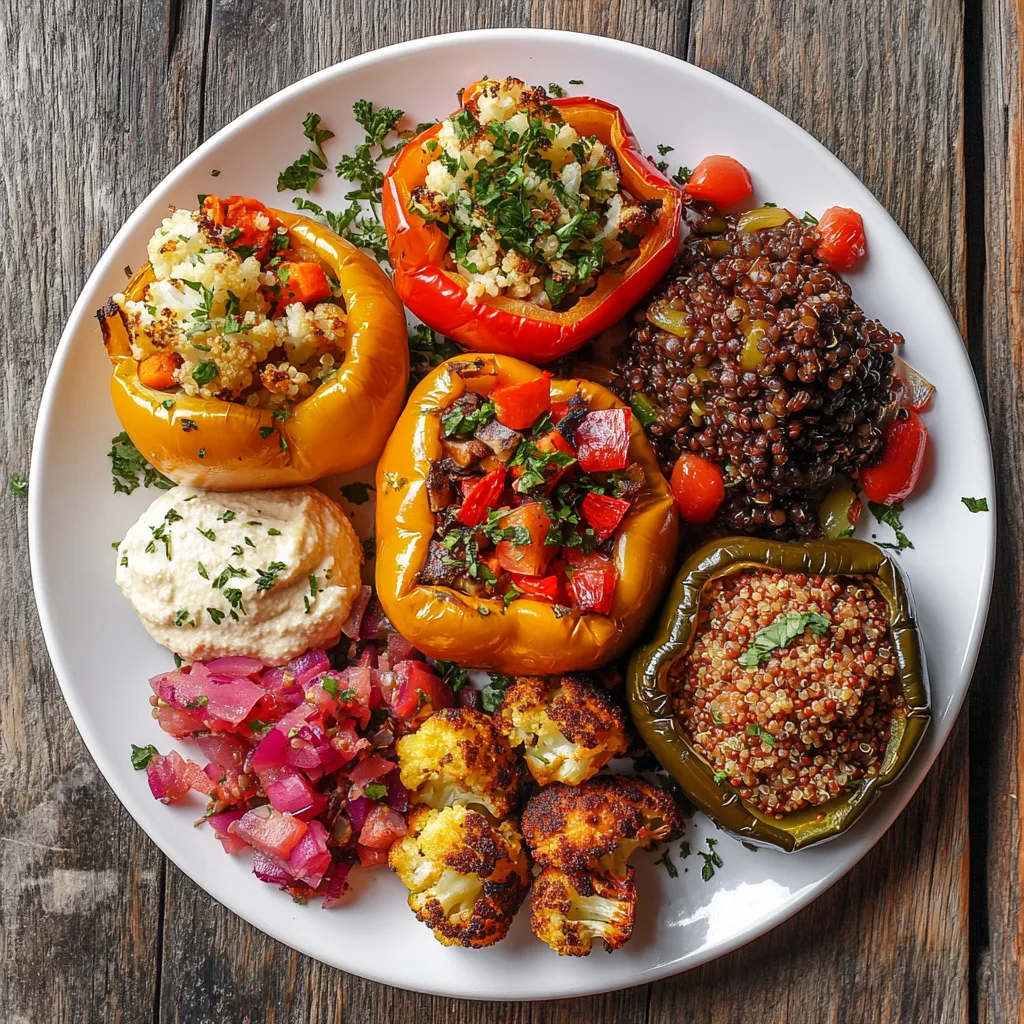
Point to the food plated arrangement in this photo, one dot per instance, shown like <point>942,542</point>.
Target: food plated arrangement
<point>492,693</point>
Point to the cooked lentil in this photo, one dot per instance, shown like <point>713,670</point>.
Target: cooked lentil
<point>815,717</point>
<point>754,355</point>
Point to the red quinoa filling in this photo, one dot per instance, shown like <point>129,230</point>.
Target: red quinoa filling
<point>789,686</point>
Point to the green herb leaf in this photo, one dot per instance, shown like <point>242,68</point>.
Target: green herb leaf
<point>493,693</point>
<point>18,483</point>
<point>128,465</point>
<point>452,674</point>
<point>666,860</point>
<point>890,516</point>
<point>973,504</point>
<point>375,790</point>
<point>782,632</point>
<point>141,756</point>
<point>266,578</point>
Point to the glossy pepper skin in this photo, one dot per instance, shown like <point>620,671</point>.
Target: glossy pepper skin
<point>526,637</point>
<point>511,326</point>
<point>342,425</point>
<point>651,703</point>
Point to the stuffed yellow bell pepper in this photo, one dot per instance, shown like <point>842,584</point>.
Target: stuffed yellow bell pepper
<point>523,524</point>
<point>256,348</point>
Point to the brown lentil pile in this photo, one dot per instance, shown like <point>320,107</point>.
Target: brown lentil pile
<point>754,355</point>
<point>814,717</point>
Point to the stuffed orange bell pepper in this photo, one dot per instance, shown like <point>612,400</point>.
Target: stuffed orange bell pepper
<point>525,225</point>
<point>523,524</point>
<point>256,348</point>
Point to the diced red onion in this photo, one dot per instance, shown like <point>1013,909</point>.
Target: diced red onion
<point>220,823</point>
<point>232,698</point>
<point>310,859</point>
<point>337,884</point>
<point>269,831</point>
<point>370,768</point>
<point>351,626</point>
<point>223,749</point>
<point>236,665</point>
<point>399,649</point>
<point>467,697</point>
<point>287,790</point>
<point>357,810</point>
<point>917,389</point>
<point>267,869</point>
<point>398,795</point>
<point>166,776</point>
<point>375,623</point>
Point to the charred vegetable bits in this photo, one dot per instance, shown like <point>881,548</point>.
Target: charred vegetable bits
<point>523,525</point>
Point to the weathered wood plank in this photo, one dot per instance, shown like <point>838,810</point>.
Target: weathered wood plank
<point>881,85</point>
<point>93,118</point>
<point>997,715</point>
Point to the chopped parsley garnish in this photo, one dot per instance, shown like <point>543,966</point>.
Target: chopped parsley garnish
<point>554,89</point>
<point>375,790</point>
<point>141,756</point>
<point>427,350</point>
<point>226,516</point>
<point>890,516</point>
<point>205,372</point>
<point>809,218</point>
<point>973,504</point>
<point>358,493</point>
<point>234,598</point>
<point>127,465</point>
<point>712,860</point>
<point>265,432</point>
<point>535,462</point>
<point>457,421</point>
<point>208,534</point>
<point>216,614</point>
<point>452,674</point>
<point>181,617</point>
<point>748,846</point>
<point>187,425</point>
<point>307,170</point>
<point>575,81</point>
<point>684,850</point>
<point>782,632</point>
<point>201,569</point>
<point>493,693</point>
<point>18,483</point>
<point>329,685</point>
<point>666,860</point>
<point>266,578</point>
<point>229,573</point>
<point>663,149</point>
<point>394,482</point>
<point>273,531</point>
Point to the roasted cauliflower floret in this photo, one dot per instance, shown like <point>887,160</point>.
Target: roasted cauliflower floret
<point>466,876</point>
<point>568,728</point>
<point>569,911</point>
<point>597,825</point>
<point>457,756</point>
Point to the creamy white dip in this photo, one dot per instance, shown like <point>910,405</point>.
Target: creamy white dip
<point>261,573</point>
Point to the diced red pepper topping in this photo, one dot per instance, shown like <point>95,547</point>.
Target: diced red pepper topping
<point>517,406</point>
<point>482,496</point>
<point>591,581</point>
<point>603,513</point>
<point>602,440</point>
<point>419,691</point>
<point>531,558</point>
<point>547,588</point>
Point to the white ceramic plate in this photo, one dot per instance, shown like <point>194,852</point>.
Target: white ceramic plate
<point>103,657</point>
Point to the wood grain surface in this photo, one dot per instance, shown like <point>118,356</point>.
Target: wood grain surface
<point>921,98</point>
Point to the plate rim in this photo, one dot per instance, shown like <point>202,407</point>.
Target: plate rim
<point>43,426</point>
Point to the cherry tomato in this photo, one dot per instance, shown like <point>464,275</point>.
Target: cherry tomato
<point>841,240</point>
<point>698,487</point>
<point>892,479</point>
<point>720,180</point>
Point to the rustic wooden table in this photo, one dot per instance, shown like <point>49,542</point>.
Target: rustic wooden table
<point>921,98</point>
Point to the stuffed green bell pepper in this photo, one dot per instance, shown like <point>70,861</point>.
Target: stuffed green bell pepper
<point>785,686</point>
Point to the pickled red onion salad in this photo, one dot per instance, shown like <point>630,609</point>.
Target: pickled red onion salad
<point>298,762</point>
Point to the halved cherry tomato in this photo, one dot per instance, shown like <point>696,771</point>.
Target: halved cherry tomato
<point>721,180</point>
<point>481,496</point>
<point>157,371</point>
<point>602,440</point>
<point>604,513</point>
<point>300,282</point>
<point>517,406</point>
<point>248,223</point>
<point>591,581</point>
<point>548,588</point>
<point>894,477</point>
<point>532,558</point>
<point>841,237</point>
<point>698,487</point>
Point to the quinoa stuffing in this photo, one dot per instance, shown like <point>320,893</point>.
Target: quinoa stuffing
<point>754,355</point>
<point>533,210</point>
<point>789,686</point>
<point>234,312</point>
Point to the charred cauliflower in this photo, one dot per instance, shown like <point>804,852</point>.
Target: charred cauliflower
<point>466,877</point>
<point>569,911</point>
<point>569,729</point>
<point>597,825</point>
<point>457,756</point>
